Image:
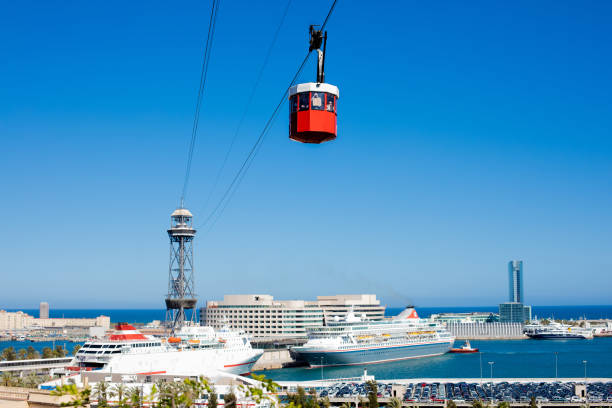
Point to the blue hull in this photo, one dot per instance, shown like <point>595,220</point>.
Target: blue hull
<point>555,336</point>
<point>369,356</point>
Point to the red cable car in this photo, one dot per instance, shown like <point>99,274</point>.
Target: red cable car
<point>313,105</point>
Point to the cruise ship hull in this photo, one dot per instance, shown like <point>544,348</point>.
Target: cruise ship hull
<point>555,336</point>
<point>371,355</point>
<point>187,362</point>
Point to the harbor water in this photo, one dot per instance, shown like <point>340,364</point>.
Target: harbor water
<point>511,359</point>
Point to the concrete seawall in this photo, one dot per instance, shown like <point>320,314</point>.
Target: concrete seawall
<point>273,359</point>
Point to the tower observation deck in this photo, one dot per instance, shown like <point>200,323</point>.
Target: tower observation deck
<point>180,301</point>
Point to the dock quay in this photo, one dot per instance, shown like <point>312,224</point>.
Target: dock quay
<point>276,358</point>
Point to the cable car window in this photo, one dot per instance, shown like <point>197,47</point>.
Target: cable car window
<point>304,100</point>
<point>317,100</point>
<point>331,103</point>
<point>293,103</point>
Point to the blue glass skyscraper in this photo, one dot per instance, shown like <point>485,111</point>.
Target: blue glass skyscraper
<point>515,276</point>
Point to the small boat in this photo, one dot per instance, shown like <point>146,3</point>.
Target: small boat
<point>466,348</point>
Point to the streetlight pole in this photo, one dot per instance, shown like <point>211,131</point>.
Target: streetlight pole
<point>556,365</point>
<point>480,354</point>
<point>321,368</point>
<point>491,387</point>
<point>585,377</point>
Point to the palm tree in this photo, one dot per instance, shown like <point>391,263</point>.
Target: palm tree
<point>7,379</point>
<point>120,390</point>
<point>47,352</point>
<point>372,388</point>
<point>22,354</point>
<point>345,405</point>
<point>102,393</point>
<point>394,403</point>
<point>451,404</point>
<point>80,397</point>
<point>135,397</point>
<point>9,354</point>
<point>75,349</point>
<point>32,353</point>
<point>212,398</point>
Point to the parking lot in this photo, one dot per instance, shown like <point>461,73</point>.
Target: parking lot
<point>543,392</point>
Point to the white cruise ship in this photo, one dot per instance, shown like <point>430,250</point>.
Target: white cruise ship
<point>354,341</point>
<point>193,350</point>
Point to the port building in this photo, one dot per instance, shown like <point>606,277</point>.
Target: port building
<point>470,317</point>
<point>20,320</point>
<point>43,311</point>
<point>268,319</point>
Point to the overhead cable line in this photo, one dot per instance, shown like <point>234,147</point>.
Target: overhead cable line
<point>229,192</point>
<point>247,106</point>
<point>203,75</point>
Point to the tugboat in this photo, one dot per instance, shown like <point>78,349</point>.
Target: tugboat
<point>466,348</point>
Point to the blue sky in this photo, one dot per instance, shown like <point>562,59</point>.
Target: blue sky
<point>469,134</point>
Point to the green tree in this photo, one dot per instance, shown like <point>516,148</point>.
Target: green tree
<point>47,352</point>
<point>345,405</point>
<point>299,398</point>
<point>59,351</point>
<point>22,354</point>
<point>135,397</point>
<point>372,389</point>
<point>451,404</point>
<point>394,402</point>
<point>324,402</point>
<point>32,353</point>
<point>7,379</point>
<point>229,399</point>
<point>102,392</point>
<point>212,398</point>
<point>503,404</point>
<point>477,404</point>
<point>120,390</point>
<point>533,403</point>
<point>76,349</point>
<point>80,397</point>
<point>9,354</point>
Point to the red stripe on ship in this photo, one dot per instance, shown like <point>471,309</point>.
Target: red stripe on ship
<point>152,373</point>
<point>241,364</point>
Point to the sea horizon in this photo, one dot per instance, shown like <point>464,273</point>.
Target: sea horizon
<point>146,315</point>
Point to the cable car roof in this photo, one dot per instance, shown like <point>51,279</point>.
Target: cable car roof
<point>314,87</point>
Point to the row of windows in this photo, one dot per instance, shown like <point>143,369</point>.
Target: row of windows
<point>274,311</point>
<point>313,100</point>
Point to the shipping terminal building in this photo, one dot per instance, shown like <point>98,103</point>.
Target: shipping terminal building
<point>267,319</point>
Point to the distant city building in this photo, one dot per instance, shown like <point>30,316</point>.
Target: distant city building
<point>472,317</point>
<point>21,320</point>
<point>262,317</point>
<point>514,312</point>
<point>515,280</point>
<point>339,305</point>
<point>265,318</point>
<point>43,311</point>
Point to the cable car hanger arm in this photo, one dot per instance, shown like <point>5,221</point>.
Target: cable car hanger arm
<point>316,39</point>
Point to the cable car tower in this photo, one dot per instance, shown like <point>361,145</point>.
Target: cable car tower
<point>180,301</point>
<point>313,105</point>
